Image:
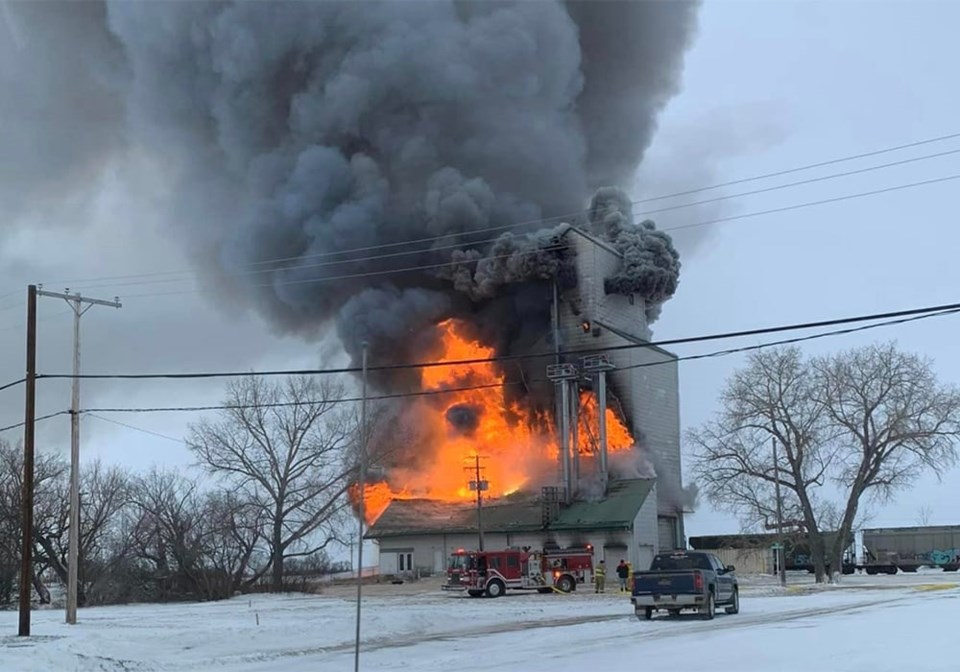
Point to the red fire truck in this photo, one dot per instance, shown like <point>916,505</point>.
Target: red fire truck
<point>491,573</point>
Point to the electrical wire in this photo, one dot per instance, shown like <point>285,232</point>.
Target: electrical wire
<point>37,419</point>
<point>138,429</point>
<point>462,245</point>
<point>190,272</point>
<point>791,341</point>
<point>798,183</point>
<point>311,402</point>
<point>836,199</point>
<point>719,220</point>
<point>12,384</point>
<point>370,274</point>
<point>809,166</point>
<point>503,358</point>
<point>422,393</point>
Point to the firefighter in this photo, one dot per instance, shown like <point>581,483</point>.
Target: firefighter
<point>599,576</point>
<point>623,573</point>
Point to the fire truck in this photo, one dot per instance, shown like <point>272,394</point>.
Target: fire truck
<point>492,573</point>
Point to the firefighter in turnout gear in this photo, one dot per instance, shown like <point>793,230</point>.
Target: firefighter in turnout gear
<point>599,576</point>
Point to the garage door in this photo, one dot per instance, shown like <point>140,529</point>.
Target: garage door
<point>667,533</point>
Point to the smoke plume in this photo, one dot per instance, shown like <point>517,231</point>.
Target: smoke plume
<point>332,134</point>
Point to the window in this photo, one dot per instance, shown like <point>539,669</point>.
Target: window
<point>401,562</point>
<point>409,562</point>
<point>513,561</point>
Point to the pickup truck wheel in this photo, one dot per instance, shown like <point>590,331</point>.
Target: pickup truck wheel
<point>709,610</point>
<point>648,614</point>
<point>495,588</point>
<point>734,607</point>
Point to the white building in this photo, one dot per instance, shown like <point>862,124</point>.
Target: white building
<point>416,536</point>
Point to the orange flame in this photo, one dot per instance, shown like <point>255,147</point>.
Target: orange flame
<point>515,444</point>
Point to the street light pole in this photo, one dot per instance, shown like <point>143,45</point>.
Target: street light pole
<point>362,486</point>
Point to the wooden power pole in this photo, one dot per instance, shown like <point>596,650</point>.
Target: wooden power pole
<point>478,484</point>
<point>80,305</point>
<point>26,497</point>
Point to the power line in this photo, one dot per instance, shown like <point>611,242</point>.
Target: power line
<point>872,317</point>
<point>311,402</point>
<point>719,220</point>
<point>808,166</point>
<point>12,384</point>
<point>399,395</point>
<point>369,274</point>
<point>38,419</point>
<point>808,204</point>
<point>462,244</point>
<point>138,429</point>
<point>798,183</point>
<point>797,339</point>
<point>191,273</point>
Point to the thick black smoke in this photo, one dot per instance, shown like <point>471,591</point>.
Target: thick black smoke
<point>332,134</point>
<point>651,264</point>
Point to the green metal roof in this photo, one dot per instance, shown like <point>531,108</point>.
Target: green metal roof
<point>616,511</point>
<point>518,513</point>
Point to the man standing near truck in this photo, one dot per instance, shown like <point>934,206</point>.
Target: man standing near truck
<point>623,573</point>
<point>599,576</point>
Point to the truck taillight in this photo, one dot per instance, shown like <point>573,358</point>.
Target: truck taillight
<point>698,581</point>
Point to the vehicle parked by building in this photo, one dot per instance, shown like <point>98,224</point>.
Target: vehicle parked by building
<point>685,580</point>
<point>492,573</point>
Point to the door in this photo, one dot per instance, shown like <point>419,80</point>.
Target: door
<point>667,533</point>
<point>724,580</point>
<point>439,566</point>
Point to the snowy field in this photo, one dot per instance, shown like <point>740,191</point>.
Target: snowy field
<point>868,624</point>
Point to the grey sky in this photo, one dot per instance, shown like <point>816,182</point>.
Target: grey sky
<point>768,85</point>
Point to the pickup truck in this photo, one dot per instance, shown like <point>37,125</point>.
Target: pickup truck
<point>685,580</point>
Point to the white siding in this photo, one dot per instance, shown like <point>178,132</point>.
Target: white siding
<point>645,543</point>
<point>649,393</point>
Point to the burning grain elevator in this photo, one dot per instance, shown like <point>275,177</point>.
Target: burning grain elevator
<point>554,483</point>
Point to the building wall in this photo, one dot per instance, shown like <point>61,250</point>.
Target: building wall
<point>645,541</point>
<point>647,379</point>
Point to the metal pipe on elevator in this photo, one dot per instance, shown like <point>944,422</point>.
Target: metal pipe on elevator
<point>575,436</point>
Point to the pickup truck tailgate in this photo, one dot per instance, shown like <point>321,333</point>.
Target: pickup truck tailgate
<point>665,583</point>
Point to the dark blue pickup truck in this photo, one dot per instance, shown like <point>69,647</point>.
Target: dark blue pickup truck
<point>685,580</point>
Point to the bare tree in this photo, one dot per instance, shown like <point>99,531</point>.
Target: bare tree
<point>104,493</point>
<point>868,421</point>
<point>924,516</point>
<point>49,507</point>
<point>283,447</point>
<point>190,543</point>
<point>770,400</point>
<point>892,421</point>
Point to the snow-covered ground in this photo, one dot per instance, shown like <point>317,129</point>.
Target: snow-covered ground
<point>873,624</point>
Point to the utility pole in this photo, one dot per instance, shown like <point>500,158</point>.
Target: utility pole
<point>80,305</point>
<point>26,498</point>
<point>480,486</point>
<point>783,551</point>
<point>363,489</point>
